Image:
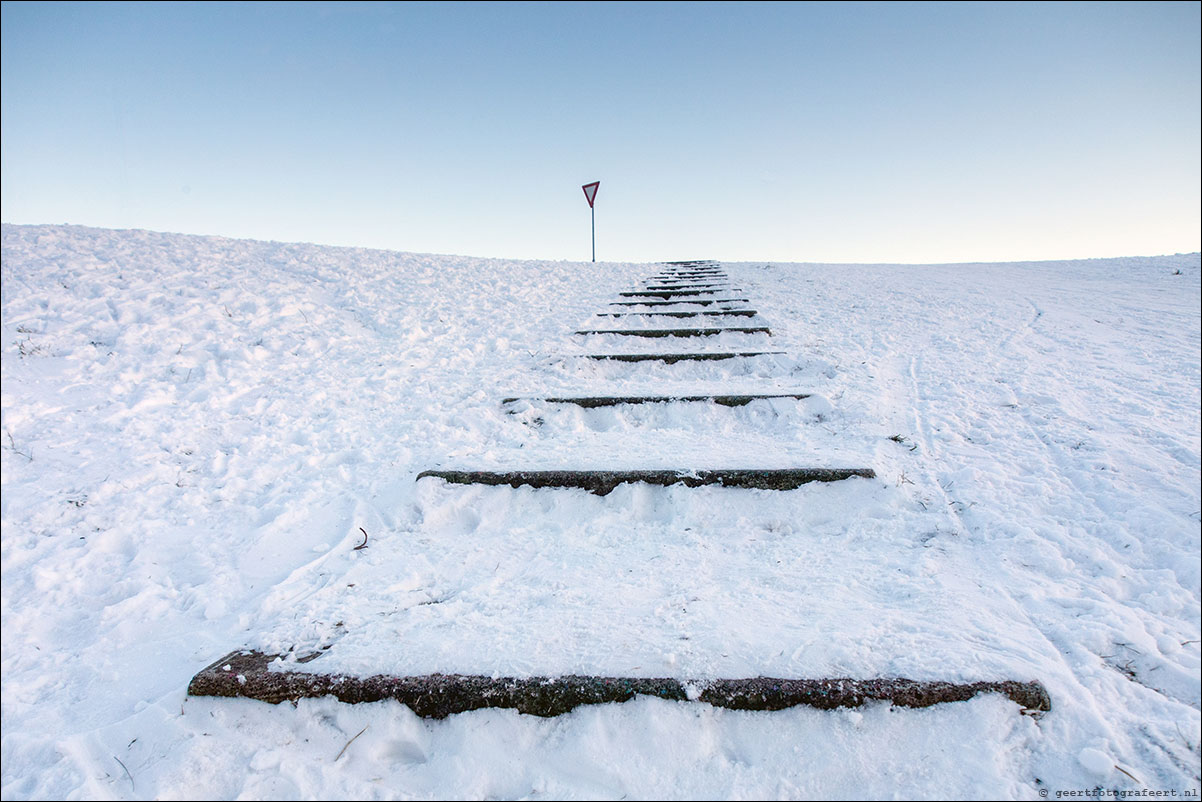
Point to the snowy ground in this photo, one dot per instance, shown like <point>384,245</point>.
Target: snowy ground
<point>196,428</point>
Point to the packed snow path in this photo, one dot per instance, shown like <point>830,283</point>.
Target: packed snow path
<point>196,430</point>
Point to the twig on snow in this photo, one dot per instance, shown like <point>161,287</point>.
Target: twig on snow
<point>13,446</point>
<point>352,740</point>
<point>362,545</point>
<point>1129,774</point>
<point>127,774</point>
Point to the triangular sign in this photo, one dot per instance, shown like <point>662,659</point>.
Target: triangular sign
<point>590,192</point>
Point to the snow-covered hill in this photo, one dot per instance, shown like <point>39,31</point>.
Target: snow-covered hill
<point>197,432</point>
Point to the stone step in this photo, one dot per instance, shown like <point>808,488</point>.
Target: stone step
<point>603,482</point>
<point>247,674</point>
<point>727,313</point>
<point>679,332</point>
<point>673,358</point>
<point>592,402</point>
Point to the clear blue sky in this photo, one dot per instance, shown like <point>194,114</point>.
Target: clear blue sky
<point>800,132</point>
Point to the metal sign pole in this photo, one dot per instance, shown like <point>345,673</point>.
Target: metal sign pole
<point>593,214</point>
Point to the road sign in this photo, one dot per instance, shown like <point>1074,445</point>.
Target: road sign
<point>590,192</point>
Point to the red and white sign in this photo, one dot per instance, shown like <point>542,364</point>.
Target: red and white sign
<point>590,192</point>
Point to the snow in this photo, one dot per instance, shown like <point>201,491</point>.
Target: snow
<point>1096,761</point>
<point>196,429</point>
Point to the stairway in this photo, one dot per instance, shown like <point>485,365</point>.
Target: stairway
<point>602,632</point>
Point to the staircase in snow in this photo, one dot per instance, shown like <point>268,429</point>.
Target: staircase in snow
<point>673,293</point>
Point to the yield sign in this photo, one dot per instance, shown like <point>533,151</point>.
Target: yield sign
<point>590,192</point>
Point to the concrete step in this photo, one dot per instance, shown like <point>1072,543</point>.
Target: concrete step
<point>665,294</point>
<point>603,482</point>
<point>691,286</point>
<point>699,302</point>
<point>592,402</point>
<point>678,332</point>
<point>673,358</point>
<point>247,674</point>
<point>727,313</point>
